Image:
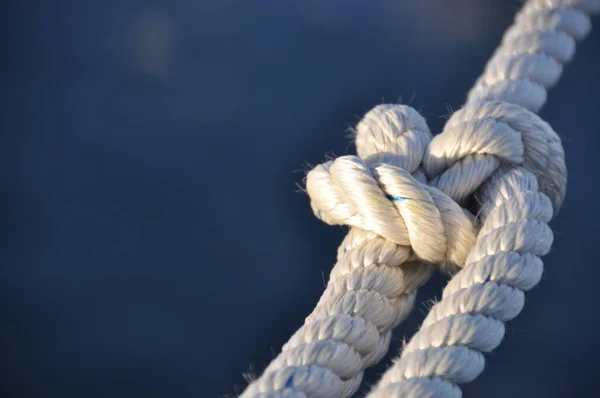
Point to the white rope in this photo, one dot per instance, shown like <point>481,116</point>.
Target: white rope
<point>372,287</point>
<point>487,292</point>
<point>529,59</point>
<point>505,261</point>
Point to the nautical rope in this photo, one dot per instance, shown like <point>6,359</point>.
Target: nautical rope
<point>517,202</point>
<point>401,227</point>
<point>372,286</point>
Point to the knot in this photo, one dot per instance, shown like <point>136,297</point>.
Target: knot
<point>481,135</point>
<point>387,200</point>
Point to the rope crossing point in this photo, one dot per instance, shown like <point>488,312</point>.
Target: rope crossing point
<point>401,197</point>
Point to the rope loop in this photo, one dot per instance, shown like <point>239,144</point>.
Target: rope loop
<point>376,193</point>
<point>481,136</point>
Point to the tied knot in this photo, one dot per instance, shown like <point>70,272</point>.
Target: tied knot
<point>376,191</point>
<point>389,201</point>
<point>481,136</point>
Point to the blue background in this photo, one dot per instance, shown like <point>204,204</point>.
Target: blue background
<point>154,241</point>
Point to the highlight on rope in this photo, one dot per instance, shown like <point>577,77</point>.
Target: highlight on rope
<point>407,198</point>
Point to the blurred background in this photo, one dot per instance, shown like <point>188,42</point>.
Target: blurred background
<point>154,242</point>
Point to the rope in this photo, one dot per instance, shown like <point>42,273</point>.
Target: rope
<point>517,199</point>
<point>372,287</point>
<point>402,227</point>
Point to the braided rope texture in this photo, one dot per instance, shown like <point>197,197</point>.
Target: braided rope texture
<point>401,196</point>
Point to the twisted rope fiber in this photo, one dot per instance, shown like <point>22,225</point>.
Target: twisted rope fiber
<point>517,201</point>
<point>327,355</point>
<point>372,286</point>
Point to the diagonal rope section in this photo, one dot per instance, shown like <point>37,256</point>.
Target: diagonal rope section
<point>469,320</point>
<point>400,229</point>
<point>533,50</point>
<point>520,181</point>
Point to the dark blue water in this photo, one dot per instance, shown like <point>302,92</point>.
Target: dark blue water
<point>154,242</point>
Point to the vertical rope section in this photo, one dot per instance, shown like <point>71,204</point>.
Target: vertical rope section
<point>497,146</point>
